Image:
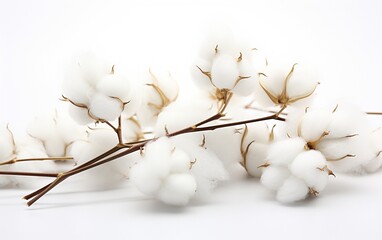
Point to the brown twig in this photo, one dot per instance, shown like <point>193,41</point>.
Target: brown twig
<point>36,159</point>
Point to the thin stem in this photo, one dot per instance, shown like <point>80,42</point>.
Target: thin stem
<point>30,174</point>
<point>36,159</point>
<point>105,154</point>
<point>374,113</point>
<point>119,130</point>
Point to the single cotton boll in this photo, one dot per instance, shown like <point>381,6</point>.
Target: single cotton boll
<point>104,107</point>
<point>273,177</point>
<point>177,189</point>
<point>283,152</point>
<point>292,190</point>
<point>313,124</point>
<point>7,146</point>
<point>256,156</point>
<point>180,161</point>
<point>114,85</point>
<point>43,127</point>
<point>68,129</point>
<point>259,60</point>
<point>224,72</point>
<point>309,166</point>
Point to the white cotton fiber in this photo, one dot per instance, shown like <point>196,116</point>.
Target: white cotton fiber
<point>347,122</point>
<point>77,90</point>
<point>309,166</point>
<point>104,107</point>
<point>182,114</point>
<point>225,143</point>
<point>207,169</point>
<point>335,150</point>
<point>79,115</point>
<point>200,79</point>
<point>283,152</point>
<point>292,190</point>
<point>256,156</point>
<point>7,147</point>
<point>92,67</point>
<point>224,71</point>
<point>375,163</point>
<point>302,82</point>
<point>114,85</point>
<point>177,189</point>
<point>314,124</point>
<point>180,161</point>
<point>273,177</point>
<point>144,177</point>
<point>247,85</point>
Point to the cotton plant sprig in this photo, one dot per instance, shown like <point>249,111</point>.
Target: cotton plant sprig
<point>176,147</point>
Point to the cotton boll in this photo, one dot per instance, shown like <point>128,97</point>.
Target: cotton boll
<point>314,124</point>
<point>256,156</point>
<point>309,166</point>
<point>104,107</point>
<point>68,129</point>
<point>114,85</point>
<point>180,161</point>
<point>43,127</point>
<point>283,152</point>
<point>224,72</point>
<point>273,177</point>
<point>292,190</point>
<point>177,189</point>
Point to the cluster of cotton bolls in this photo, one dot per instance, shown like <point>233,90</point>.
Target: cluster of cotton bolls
<point>320,141</point>
<point>294,158</point>
<point>98,91</point>
<point>56,132</point>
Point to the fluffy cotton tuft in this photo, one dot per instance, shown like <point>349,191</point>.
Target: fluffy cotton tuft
<point>292,190</point>
<point>310,167</point>
<point>177,189</point>
<point>283,152</point>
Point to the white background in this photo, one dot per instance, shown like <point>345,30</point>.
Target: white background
<point>341,39</point>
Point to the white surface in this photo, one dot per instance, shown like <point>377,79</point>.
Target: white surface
<point>341,38</point>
